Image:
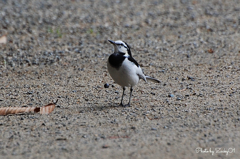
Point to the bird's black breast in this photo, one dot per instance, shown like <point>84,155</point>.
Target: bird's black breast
<point>116,60</point>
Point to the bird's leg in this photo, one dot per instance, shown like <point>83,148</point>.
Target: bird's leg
<point>131,89</point>
<point>121,104</point>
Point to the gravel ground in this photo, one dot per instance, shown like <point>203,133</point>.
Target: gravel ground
<point>59,49</point>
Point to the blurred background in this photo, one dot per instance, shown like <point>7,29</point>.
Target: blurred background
<point>40,31</point>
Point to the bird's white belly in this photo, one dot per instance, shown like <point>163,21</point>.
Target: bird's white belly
<point>126,75</point>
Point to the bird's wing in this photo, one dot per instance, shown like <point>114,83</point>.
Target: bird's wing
<point>140,74</point>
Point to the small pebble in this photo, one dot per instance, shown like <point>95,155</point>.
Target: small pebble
<point>106,85</point>
<point>105,146</point>
<point>133,127</point>
<point>178,98</point>
<point>152,93</point>
<point>191,78</point>
<point>154,129</point>
<point>162,71</point>
<point>76,50</point>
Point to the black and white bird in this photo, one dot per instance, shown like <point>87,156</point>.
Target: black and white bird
<point>124,69</point>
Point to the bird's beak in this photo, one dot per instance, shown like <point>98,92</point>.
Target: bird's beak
<point>112,42</point>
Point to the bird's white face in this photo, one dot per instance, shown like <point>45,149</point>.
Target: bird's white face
<point>120,46</point>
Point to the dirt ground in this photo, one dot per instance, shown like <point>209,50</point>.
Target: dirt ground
<point>59,49</point>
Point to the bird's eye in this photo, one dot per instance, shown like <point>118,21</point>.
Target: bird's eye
<point>122,45</point>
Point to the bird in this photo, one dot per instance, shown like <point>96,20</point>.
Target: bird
<point>124,69</point>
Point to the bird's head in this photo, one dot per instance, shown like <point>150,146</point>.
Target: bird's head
<point>121,47</point>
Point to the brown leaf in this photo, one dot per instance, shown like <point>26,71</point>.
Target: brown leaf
<point>105,146</point>
<point>16,110</point>
<point>210,51</point>
<point>3,39</point>
<point>210,30</point>
<point>47,109</point>
<point>194,2</point>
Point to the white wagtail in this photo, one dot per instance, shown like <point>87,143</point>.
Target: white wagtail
<point>124,69</point>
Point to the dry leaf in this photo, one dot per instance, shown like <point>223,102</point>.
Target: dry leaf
<point>210,51</point>
<point>16,110</point>
<point>47,108</point>
<point>105,146</point>
<point>3,39</point>
<point>194,2</point>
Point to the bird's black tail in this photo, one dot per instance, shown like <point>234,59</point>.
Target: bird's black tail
<point>152,79</point>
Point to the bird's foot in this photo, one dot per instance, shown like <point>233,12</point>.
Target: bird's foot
<point>121,105</point>
<point>126,105</point>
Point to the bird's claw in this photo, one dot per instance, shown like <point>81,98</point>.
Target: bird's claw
<point>127,105</point>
